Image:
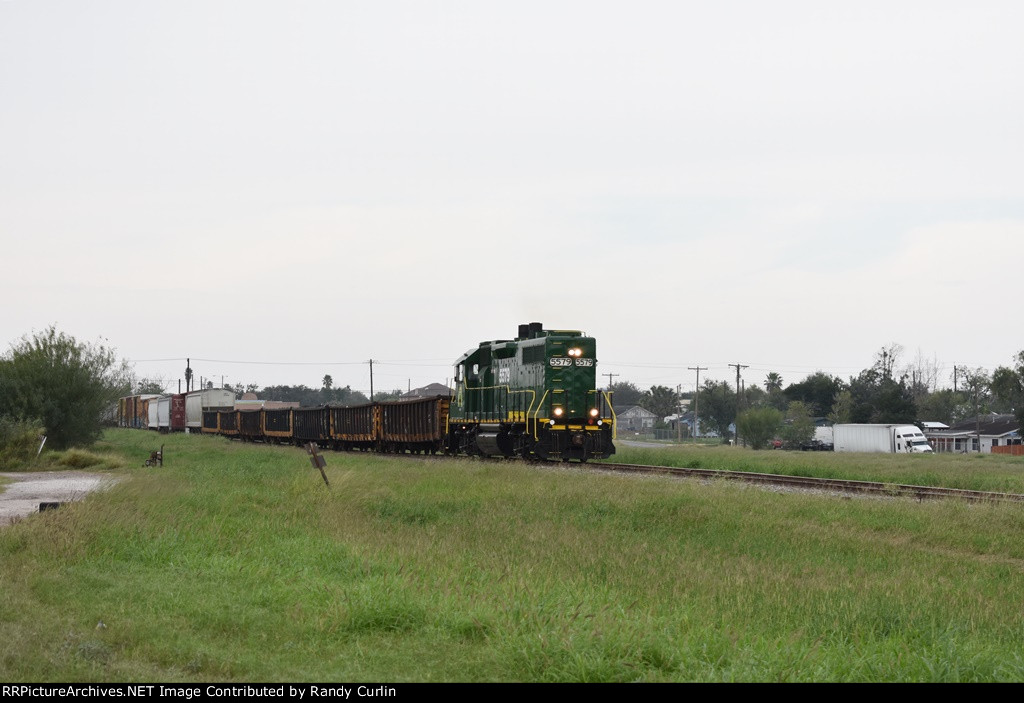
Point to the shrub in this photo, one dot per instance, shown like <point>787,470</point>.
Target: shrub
<point>79,459</point>
<point>19,441</point>
<point>758,426</point>
<point>66,384</point>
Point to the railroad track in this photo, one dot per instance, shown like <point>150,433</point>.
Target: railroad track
<point>837,485</point>
<point>821,484</point>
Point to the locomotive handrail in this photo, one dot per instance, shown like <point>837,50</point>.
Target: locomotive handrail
<point>508,390</point>
<point>615,420</point>
<point>536,435</point>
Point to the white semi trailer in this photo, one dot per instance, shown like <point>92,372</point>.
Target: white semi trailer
<point>885,439</point>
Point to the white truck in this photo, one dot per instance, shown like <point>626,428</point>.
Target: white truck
<point>885,439</point>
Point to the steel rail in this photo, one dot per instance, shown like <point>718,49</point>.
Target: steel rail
<point>834,484</point>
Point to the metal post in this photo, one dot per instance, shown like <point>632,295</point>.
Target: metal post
<point>738,399</point>
<point>696,399</point>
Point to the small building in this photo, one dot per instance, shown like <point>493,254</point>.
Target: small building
<point>431,390</point>
<point>247,404</point>
<point>633,418</point>
<point>978,434</point>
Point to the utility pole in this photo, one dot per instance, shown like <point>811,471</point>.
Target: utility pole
<point>610,376</point>
<point>738,398</point>
<point>371,380</point>
<point>679,415</point>
<point>696,399</point>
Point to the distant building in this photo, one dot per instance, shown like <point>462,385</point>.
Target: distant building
<point>976,434</point>
<point>429,391</point>
<point>633,418</point>
<point>253,404</point>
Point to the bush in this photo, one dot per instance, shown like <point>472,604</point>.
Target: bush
<point>79,459</point>
<point>758,426</point>
<point>19,442</point>
<point>799,427</point>
<point>66,384</point>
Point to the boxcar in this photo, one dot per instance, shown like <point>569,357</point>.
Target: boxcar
<point>171,413</point>
<point>152,412</point>
<point>197,402</point>
<point>136,411</point>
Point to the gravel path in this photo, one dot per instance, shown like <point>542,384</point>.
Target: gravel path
<point>23,495</point>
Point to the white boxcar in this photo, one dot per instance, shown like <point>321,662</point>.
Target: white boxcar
<point>163,414</point>
<point>154,406</point>
<point>198,401</point>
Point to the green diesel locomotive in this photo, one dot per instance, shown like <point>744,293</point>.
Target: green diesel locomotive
<point>535,396</point>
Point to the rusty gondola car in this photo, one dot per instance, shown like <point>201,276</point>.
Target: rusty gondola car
<point>228,420</point>
<point>211,422</point>
<point>414,425</point>
<point>277,425</point>
<point>354,427</point>
<point>311,425</point>
<point>249,427</point>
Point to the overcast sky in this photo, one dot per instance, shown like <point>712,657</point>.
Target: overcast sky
<point>786,185</point>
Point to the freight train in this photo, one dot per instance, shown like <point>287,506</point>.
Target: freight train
<point>534,397</point>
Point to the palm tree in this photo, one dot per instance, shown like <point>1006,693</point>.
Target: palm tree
<point>773,382</point>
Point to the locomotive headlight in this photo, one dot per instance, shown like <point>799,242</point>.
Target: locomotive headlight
<point>594,412</point>
<point>557,411</point>
<point>576,351</point>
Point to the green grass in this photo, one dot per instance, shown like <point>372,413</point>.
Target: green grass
<point>235,562</point>
<point>981,472</point>
<point>72,459</point>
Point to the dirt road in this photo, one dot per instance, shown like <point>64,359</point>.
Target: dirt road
<point>26,491</point>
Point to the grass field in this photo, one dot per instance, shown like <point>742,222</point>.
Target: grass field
<point>234,562</point>
<point>980,472</point>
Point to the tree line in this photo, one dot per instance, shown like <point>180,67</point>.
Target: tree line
<point>885,392</point>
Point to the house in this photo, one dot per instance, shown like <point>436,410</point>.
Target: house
<point>978,434</point>
<point>633,418</point>
<point>687,418</point>
<point>429,391</point>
